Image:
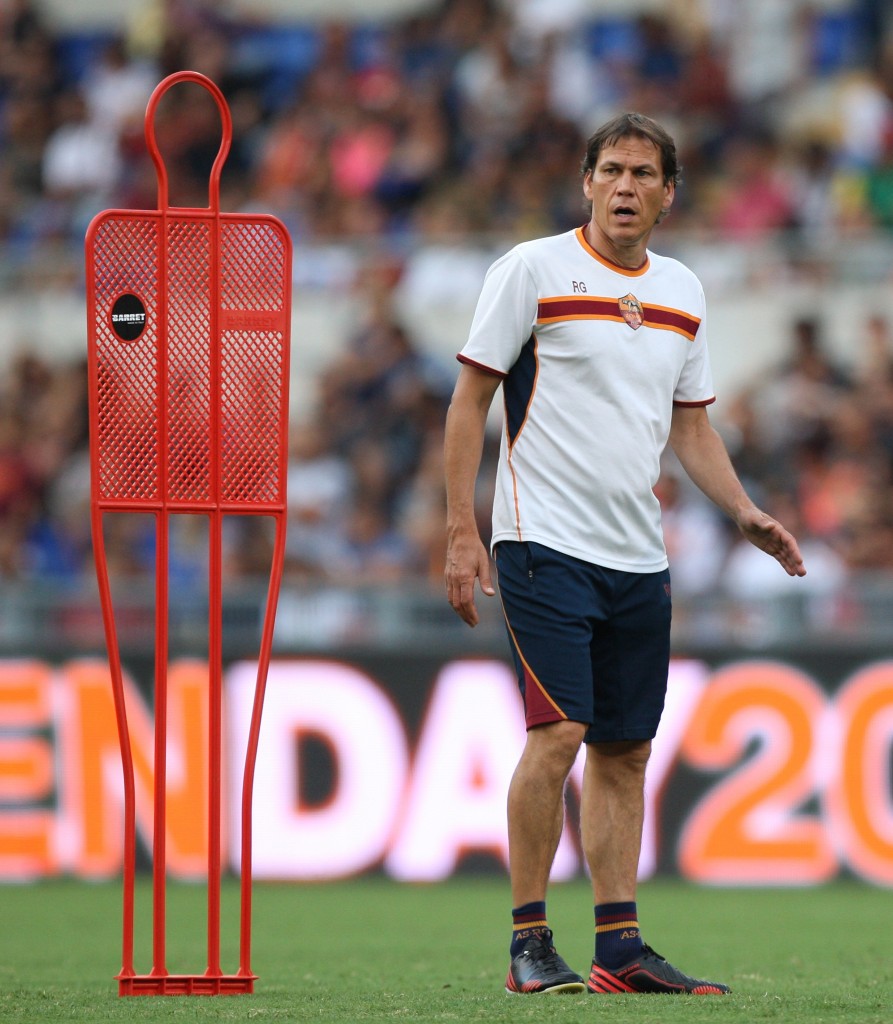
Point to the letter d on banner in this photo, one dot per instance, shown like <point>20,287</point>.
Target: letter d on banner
<point>353,717</point>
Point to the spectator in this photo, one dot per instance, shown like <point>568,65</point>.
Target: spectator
<point>421,514</point>
<point>768,51</point>
<point>874,380</point>
<point>372,552</point>
<point>17,495</point>
<point>753,198</point>
<point>418,157</point>
<point>879,189</point>
<point>794,405</point>
<point>320,487</point>
<point>81,164</point>
<point>26,128</point>
<point>117,89</point>
<point>492,85</point>
<point>836,472</point>
<point>815,207</point>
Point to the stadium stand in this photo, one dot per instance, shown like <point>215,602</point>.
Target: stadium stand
<point>404,153</point>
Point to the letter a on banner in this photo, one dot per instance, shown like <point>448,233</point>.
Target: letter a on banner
<point>188,344</point>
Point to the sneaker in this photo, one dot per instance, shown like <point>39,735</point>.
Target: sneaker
<point>650,973</point>
<point>538,968</point>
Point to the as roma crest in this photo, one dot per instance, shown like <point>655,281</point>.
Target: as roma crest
<point>631,310</point>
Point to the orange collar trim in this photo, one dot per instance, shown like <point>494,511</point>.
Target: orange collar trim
<point>626,271</point>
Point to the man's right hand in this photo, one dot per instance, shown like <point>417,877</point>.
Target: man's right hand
<point>466,561</point>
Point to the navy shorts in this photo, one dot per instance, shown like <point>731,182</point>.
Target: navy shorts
<point>590,644</point>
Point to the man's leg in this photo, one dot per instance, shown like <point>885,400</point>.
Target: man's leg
<point>536,806</point>
<point>611,816</point>
<point>535,816</point>
<point>612,813</point>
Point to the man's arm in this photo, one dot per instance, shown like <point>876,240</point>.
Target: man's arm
<point>703,455</point>
<point>466,558</point>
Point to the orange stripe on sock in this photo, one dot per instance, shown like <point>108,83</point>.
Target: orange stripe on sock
<point>614,925</point>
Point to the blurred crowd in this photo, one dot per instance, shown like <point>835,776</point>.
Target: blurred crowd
<point>781,111</point>
<point>467,119</point>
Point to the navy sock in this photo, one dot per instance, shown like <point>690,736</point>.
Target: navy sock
<point>526,921</point>
<point>618,940</point>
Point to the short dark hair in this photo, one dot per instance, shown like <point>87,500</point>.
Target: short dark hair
<point>643,127</point>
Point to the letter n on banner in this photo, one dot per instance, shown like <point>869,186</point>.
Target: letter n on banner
<point>91,790</point>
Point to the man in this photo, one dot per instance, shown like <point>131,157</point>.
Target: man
<point>600,347</point>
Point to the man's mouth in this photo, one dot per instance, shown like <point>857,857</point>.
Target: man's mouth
<point>624,212</point>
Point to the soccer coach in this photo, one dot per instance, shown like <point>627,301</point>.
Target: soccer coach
<point>600,346</point>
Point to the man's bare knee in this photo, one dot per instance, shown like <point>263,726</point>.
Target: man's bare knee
<point>619,759</point>
<point>554,746</point>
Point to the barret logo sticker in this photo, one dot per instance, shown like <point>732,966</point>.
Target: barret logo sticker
<point>631,310</point>
<point>128,317</point>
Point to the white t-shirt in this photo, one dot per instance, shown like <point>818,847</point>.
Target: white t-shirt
<point>593,358</point>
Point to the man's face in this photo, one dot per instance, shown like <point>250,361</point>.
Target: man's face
<point>627,191</point>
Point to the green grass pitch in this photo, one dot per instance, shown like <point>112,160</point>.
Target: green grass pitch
<point>375,950</point>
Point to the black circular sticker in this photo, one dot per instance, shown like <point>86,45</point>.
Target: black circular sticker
<point>128,317</point>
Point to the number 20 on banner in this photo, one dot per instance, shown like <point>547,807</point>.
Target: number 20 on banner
<point>806,781</point>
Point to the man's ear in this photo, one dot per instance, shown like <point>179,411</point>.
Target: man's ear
<point>667,203</point>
